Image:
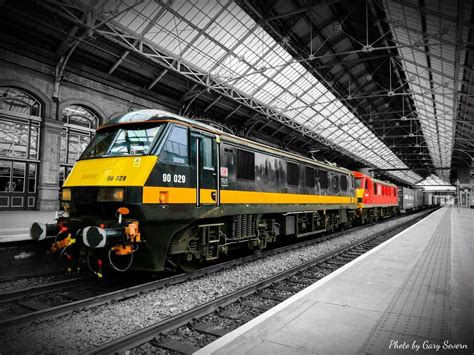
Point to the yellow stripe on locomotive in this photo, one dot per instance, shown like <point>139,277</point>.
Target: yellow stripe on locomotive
<point>173,195</point>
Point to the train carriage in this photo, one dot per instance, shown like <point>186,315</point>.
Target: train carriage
<point>406,199</point>
<point>166,192</point>
<point>418,198</point>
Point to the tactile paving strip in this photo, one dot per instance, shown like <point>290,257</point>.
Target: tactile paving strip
<point>418,313</point>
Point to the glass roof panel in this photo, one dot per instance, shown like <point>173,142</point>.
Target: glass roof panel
<point>222,40</point>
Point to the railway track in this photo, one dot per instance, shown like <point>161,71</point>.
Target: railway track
<point>189,331</point>
<point>55,298</point>
<point>12,296</point>
<point>60,298</point>
<point>28,305</point>
<point>27,259</point>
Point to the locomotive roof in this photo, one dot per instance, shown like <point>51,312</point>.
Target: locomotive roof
<point>359,174</point>
<point>152,115</point>
<point>141,116</point>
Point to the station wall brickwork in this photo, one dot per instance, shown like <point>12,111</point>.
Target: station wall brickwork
<point>104,98</point>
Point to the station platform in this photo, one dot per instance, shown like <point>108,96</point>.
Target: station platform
<point>14,225</point>
<point>413,293</point>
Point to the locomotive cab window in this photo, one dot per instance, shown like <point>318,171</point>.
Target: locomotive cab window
<point>358,183</point>
<point>119,141</point>
<point>175,149</point>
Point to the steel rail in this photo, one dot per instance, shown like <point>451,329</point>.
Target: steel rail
<point>42,289</point>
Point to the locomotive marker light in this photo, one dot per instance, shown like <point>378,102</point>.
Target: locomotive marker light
<point>66,194</point>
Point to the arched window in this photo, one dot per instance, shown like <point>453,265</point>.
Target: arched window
<point>79,128</point>
<point>19,148</point>
<point>81,116</point>
<point>18,101</point>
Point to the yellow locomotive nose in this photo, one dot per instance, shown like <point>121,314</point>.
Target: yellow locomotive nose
<point>115,172</point>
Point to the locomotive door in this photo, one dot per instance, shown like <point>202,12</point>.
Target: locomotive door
<point>204,157</point>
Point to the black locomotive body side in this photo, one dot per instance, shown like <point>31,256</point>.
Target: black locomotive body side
<point>245,194</point>
<point>199,192</point>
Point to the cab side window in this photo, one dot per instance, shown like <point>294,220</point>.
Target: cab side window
<point>207,154</point>
<point>176,147</point>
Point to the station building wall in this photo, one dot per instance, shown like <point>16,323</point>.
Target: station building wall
<point>44,130</point>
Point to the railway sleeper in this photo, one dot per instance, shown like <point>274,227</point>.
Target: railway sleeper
<point>237,316</point>
<point>272,296</point>
<point>337,262</point>
<point>288,289</point>
<point>211,329</point>
<point>256,305</point>
<point>177,346</point>
<point>298,281</point>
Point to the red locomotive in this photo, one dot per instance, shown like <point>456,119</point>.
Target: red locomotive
<point>376,199</point>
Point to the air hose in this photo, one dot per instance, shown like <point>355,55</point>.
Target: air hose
<point>115,267</point>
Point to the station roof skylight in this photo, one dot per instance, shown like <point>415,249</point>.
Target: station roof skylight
<point>219,38</point>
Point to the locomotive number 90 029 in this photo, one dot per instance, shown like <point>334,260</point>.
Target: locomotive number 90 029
<point>176,178</point>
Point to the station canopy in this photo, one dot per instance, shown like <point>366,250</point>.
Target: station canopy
<point>434,77</point>
<point>220,39</point>
<point>260,56</point>
<point>434,184</point>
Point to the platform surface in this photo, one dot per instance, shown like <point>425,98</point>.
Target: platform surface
<point>412,292</point>
<point>14,225</point>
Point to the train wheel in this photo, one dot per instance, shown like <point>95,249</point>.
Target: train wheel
<point>188,265</point>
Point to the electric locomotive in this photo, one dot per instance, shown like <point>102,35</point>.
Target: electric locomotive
<point>376,199</point>
<point>154,190</point>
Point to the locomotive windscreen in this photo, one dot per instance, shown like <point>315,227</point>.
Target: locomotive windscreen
<point>123,140</point>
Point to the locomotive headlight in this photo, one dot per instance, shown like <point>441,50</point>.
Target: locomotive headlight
<point>66,195</point>
<point>115,194</point>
